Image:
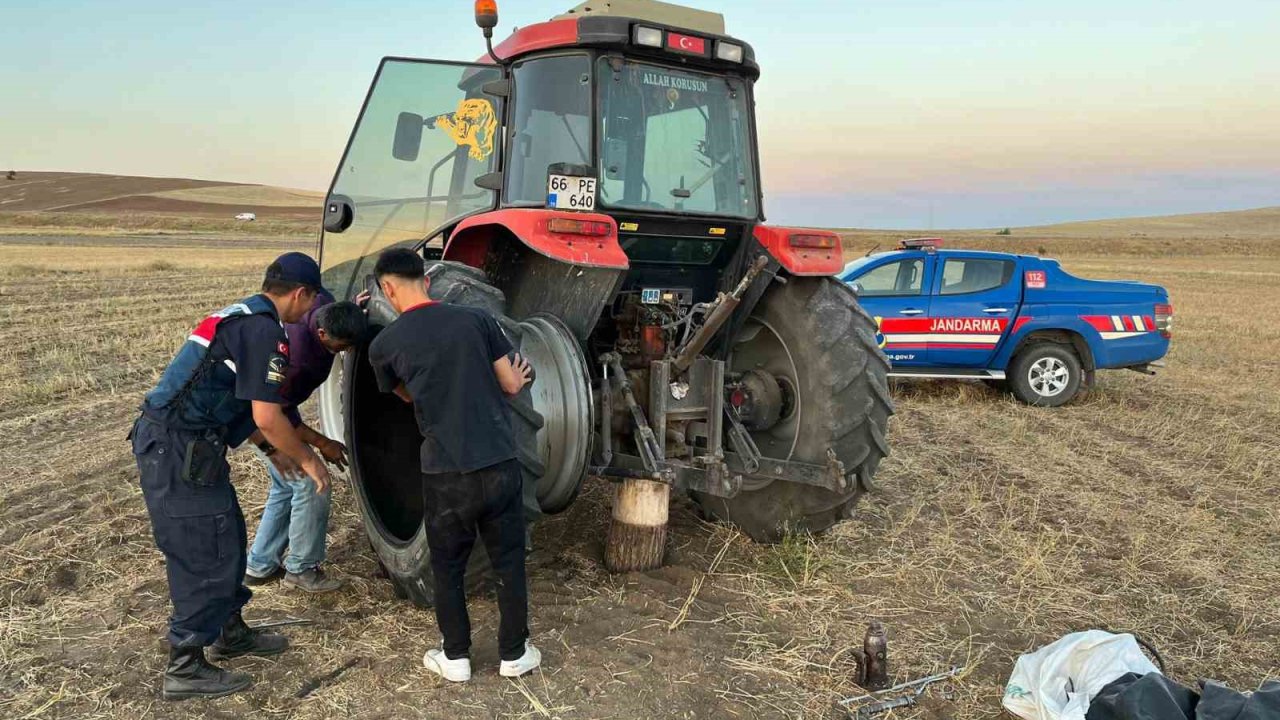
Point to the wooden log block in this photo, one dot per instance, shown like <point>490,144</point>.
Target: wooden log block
<point>638,530</point>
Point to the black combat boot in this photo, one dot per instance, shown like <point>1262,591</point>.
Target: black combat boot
<point>239,639</point>
<point>189,675</point>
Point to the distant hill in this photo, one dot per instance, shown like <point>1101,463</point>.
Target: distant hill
<point>1260,222</point>
<point>1242,232</point>
<point>97,194</point>
<point>127,203</point>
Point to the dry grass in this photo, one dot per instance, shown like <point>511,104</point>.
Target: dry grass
<point>1148,506</point>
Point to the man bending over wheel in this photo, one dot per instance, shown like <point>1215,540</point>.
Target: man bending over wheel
<point>451,363</point>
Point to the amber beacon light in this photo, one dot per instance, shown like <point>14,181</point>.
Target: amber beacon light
<point>487,15</point>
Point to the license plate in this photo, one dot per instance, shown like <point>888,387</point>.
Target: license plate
<point>566,192</point>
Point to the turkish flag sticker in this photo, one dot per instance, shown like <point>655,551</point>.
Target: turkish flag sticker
<point>1035,279</point>
<point>686,44</point>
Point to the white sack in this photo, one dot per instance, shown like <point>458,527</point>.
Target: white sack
<point>1058,681</point>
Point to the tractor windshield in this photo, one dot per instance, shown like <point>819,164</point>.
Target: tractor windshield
<point>672,140</point>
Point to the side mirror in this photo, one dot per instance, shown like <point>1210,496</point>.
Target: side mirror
<point>339,212</point>
<point>408,138</point>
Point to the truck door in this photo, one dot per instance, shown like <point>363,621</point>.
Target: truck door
<point>894,292</point>
<point>975,299</point>
<point>426,132</point>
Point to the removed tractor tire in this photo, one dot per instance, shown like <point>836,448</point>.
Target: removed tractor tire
<point>551,420</point>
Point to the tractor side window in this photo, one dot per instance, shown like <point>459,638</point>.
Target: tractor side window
<point>550,123</point>
<point>971,275</point>
<point>900,278</point>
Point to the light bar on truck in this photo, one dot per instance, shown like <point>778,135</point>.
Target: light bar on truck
<point>647,36</point>
<point>728,52</point>
<point>920,244</point>
<point>569,226</point>
<point>813,242</point>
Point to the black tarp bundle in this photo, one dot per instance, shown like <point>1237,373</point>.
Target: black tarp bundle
<point>1155,697</point>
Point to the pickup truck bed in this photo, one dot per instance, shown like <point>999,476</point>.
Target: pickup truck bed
<point>1005,317</point>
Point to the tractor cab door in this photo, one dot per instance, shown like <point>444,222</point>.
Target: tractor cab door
<point>426,133</point>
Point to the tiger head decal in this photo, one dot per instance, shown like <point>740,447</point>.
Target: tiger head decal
<point>473,125</point>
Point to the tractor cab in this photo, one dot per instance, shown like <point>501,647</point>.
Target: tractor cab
<point>651,103</point>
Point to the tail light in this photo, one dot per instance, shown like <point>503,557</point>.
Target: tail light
<point>1164,319</point>
<point>568,226</point>
<point>813,242</point>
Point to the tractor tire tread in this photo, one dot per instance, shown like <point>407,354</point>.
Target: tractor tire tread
<point>832,333</point>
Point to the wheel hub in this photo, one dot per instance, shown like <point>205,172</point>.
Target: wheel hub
<point>759,400</point>
<point>1048,376</point>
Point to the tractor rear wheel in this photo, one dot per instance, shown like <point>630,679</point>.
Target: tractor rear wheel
<point>811,335</point>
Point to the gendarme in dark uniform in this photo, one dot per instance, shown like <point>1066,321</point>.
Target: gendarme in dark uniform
<point>202,405</point>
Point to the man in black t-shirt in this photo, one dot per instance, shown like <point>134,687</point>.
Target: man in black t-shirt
<point>452,363</point>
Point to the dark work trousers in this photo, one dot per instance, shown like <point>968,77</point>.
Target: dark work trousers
<point>199,528</point>
<point>456,506</point>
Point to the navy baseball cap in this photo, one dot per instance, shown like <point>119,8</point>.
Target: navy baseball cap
<point>295,267</point>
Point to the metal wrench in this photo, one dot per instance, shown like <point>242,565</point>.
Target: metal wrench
<point>919,686</point>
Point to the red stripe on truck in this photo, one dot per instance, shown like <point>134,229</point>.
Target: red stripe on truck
<point>1101,323</point>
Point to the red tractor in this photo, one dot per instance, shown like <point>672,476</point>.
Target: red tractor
<point>594,182</point>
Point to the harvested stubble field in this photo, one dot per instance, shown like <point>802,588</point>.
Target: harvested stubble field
<point>1148,506</point>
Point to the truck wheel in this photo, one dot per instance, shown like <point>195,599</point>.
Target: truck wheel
<point>1046,374</point>
<point>812,337</point>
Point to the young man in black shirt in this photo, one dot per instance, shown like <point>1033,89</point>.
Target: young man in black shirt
<point>451,363</point>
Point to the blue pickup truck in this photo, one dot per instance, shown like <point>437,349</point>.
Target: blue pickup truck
<point>1015,321</point>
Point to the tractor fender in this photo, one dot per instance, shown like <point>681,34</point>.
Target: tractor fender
<point>803,261</point>
<point>470,240</point>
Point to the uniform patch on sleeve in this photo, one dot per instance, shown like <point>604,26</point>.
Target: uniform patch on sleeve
<point>276,365</point>
<point>283,348</point>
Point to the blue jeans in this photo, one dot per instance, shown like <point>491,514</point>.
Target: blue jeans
<point>295,517</point>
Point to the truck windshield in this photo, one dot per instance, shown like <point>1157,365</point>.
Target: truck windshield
<point>672,140</point>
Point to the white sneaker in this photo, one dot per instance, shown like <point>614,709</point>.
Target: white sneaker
<point>452,670</point>
<point>526,662</point>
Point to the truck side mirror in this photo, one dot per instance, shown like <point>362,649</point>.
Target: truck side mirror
<point>408,138</point>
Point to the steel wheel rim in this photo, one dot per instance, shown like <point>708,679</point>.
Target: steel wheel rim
<point>562,395</point>
<point>1048,377</point>
<point>760,346</point>
<point>331,419</point>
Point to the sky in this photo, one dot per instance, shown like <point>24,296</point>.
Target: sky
<point>871,113</point>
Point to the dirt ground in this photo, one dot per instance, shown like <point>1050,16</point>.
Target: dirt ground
<point>1149,506</point>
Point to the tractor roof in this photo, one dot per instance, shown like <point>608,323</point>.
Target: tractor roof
<point>652,11</point>
<point>606,23</point>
